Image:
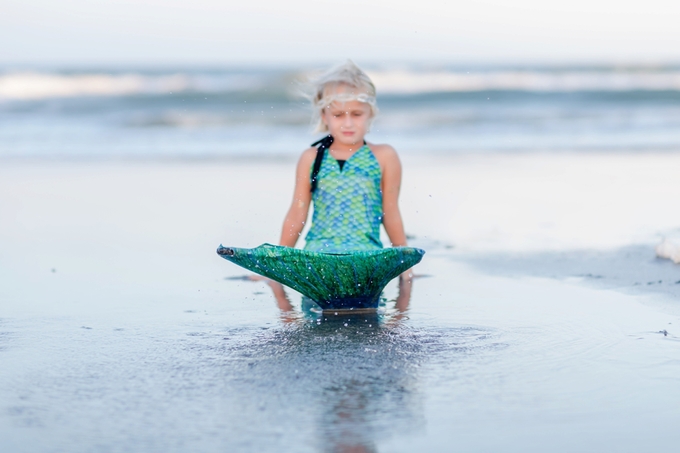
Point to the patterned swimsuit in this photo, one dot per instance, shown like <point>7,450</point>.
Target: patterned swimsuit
<point>347,205</point>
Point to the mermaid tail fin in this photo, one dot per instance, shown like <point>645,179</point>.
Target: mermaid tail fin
<point>333,280</point>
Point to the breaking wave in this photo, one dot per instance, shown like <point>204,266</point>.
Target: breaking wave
<point>409,82</point>
<point>36,85</point>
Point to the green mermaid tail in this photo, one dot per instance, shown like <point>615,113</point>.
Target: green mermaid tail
<point>348,280</point>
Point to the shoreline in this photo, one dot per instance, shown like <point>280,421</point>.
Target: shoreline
<point>410,156</point>
<point>596,217</point>
<point>633,269</point>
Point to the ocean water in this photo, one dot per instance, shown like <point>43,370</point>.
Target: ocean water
<point>242,112</point>
<point>513,366</point>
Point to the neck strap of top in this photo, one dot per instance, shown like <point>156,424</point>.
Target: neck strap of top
<point>323,144</point>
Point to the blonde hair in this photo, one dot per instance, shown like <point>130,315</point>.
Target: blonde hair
<point>324,91</point>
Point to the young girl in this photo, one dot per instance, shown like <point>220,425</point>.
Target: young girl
<point>354,185</point>
<point>357,185</point>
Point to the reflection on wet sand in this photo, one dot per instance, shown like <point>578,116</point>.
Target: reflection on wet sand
<point>348,408</point>
<point>356,371</point>
<point>288,313</point>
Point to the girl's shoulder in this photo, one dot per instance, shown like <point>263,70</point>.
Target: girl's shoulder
<point>382,148</point>
<point>307,158</point>
<point>309,152</point>
<point>385,154</point>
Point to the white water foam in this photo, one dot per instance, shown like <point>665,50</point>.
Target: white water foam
<point>44,85</point>
<point>410,82</point>
<point>36,85</point>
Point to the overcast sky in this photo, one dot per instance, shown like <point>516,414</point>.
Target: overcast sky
<point>314,31</point>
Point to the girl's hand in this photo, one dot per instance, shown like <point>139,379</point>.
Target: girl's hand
<point>280,295</point>
<point>407,276</point>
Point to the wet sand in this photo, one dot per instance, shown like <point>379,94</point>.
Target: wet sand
<point>121,329</point>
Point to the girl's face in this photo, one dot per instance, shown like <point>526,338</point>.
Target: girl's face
<point>347,121</point>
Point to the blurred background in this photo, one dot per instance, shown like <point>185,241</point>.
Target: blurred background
<point>540,141</point>
<point>206,79</point>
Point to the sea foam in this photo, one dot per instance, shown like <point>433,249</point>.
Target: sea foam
<point>669,249</point>
<point>34,85</point>
<point>45,85</point>
<point>521,80</point>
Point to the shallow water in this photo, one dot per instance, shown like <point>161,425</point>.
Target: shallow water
<point>209,381</point>
<point>476,363</point>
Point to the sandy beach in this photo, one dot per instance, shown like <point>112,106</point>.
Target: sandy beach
<point>542,318</point>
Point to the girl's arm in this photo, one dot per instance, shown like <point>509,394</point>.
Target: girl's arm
<point>297,214</point>
<point>391,184</point>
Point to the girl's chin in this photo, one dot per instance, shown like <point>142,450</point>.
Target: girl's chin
<point>347,140</point>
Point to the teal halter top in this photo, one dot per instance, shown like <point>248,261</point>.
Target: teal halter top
<point>347,205</point>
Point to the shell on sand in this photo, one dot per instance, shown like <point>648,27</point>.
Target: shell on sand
<point>669,249</point>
